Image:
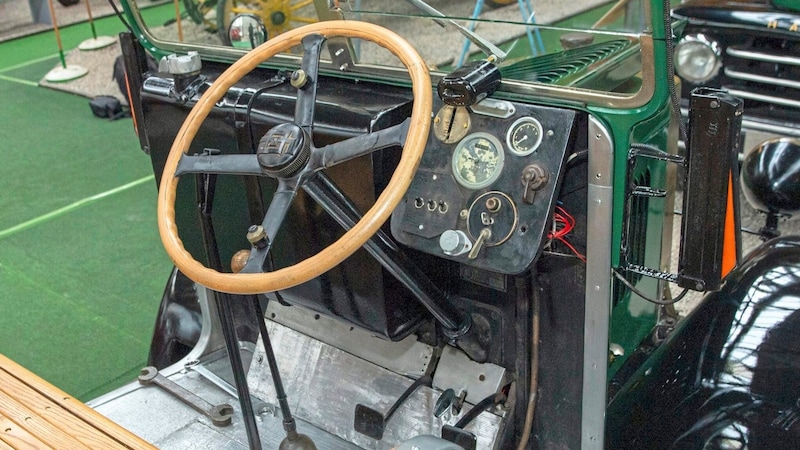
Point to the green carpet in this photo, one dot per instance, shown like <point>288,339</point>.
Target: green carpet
<point>82,270</point>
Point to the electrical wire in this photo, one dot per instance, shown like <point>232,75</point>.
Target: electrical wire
<point>534,387</point>
<point>278,79</point>
<point>636,291</point>
<point>121,17</point>
<point>563,223</point>
<point>673,94</point>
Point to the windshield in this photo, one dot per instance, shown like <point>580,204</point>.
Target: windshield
<point>591,45</point>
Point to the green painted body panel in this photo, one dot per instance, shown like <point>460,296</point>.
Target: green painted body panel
<point>789,5</point>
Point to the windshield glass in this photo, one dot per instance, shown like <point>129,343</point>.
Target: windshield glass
<point>587,44</point>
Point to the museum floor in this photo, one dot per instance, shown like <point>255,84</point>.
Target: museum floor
<point>81,265</point>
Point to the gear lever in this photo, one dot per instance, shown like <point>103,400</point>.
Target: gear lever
<point>293,439</point>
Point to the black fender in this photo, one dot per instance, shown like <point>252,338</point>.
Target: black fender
<point>729,375</point>
<point>178,323</point>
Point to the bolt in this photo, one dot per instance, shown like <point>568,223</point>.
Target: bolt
<point>257,236</point>
<point>493,204</point>
<point>298,78</point>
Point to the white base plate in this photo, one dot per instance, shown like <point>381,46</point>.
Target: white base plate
<point>97,43</point>
<point>61,74</point>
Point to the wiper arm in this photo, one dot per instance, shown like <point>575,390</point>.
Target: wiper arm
<point>490,49</point>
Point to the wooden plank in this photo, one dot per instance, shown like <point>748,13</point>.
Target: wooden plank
<point>54,414</point>
<point>19,438</point>
<point>5,445</point>
<point>12,408</point>
<point>103,425</point>
<point>15,404</point>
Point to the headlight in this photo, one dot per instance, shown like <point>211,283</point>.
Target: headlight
<point>697,59</point>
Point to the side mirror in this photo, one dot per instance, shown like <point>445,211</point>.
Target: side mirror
<point>247,31</point>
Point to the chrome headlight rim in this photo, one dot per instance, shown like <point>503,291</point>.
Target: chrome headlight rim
<point>698,40</point>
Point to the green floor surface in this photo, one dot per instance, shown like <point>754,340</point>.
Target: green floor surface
<point>56,152</point>
<point>82,269</point>
<point>80,293</point>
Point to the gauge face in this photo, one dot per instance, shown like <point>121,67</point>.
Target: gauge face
<point>524,136</point>
<point>478,160</point>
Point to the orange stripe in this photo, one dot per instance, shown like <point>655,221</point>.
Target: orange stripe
<point>729,240</point>
<point>130,104</point>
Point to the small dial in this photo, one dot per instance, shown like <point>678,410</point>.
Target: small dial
<point>478,160</point>
<point>524,136</point>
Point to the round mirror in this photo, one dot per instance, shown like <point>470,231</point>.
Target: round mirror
<point>247,31</point>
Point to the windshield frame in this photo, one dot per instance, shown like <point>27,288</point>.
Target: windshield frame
<point>398,76</point>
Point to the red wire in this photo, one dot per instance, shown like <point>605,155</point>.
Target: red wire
<point>564,223</point>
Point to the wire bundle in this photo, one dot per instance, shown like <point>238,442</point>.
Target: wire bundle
<point>563,223</point>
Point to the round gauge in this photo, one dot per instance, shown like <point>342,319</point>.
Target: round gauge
<point>478,160</point>
<point>524,136</point>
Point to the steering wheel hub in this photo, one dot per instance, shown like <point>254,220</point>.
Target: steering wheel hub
<point>284,150</point>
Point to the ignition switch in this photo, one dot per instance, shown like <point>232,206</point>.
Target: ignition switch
<point>534,177</point>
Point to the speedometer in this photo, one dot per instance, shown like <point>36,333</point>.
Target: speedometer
<point>524,136</point>
<point>478,160</point>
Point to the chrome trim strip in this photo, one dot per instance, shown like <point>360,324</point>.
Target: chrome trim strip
<point>770,128</point>
<point>758,56</point>
<point>749,124</point>
<point>598,286</point>
<point>763,98</point>
<point>735,74</point>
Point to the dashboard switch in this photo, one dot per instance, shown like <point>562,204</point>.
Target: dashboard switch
<point>534,177</point>
<point>454,242</point>
<point>486,234</point>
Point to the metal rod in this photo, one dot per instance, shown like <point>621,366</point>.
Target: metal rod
<point>288,420</point>
<point>205,197</point>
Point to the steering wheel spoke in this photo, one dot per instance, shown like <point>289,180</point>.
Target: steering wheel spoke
<point>279,207</point>
<point>305,80</point>
<point>364,144</point>
<point>219,164</point>
<point>263,238</point>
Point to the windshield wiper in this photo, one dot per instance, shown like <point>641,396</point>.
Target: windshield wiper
<point>494,53</point>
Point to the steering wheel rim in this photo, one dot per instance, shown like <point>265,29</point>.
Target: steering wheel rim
<point>373,219</point>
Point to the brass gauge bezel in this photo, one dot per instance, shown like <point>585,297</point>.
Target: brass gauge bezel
<point>514,145</point>
<point>464,146</point>
<point>451,123</point>
<point>509,208</point>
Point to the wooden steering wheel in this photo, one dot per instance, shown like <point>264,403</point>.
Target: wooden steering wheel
<point>288,154</point>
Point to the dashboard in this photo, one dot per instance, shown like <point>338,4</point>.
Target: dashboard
<point>486,185</point>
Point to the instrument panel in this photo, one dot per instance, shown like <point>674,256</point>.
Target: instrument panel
<point>486,185</point>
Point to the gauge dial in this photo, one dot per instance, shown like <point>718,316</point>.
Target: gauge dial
<point>478,160</point>
<point>524,136</point>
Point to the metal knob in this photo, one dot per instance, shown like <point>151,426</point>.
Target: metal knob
<point>454,242</point>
